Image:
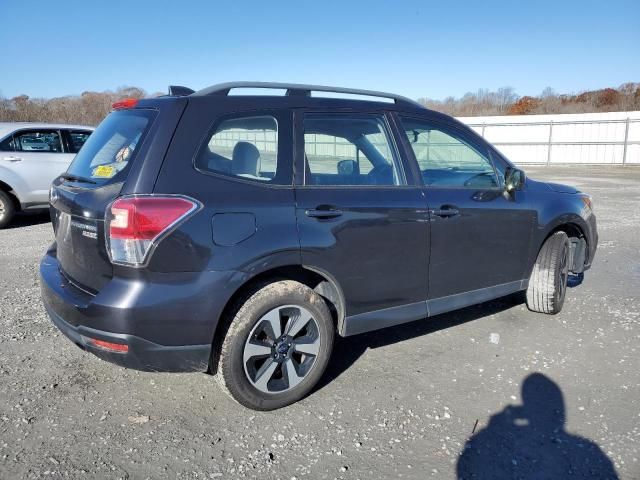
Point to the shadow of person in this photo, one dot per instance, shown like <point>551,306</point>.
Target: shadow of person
<point>530,442</point>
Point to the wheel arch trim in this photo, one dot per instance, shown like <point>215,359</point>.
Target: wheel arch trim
<point>568,223</point>
<point>282,271</point>
<point>9,190</point>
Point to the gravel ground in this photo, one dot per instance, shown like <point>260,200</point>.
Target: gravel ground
<point>399,403</point>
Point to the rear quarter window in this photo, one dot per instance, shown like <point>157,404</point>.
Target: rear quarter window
<point>107,154</point>
<point>245,147</point>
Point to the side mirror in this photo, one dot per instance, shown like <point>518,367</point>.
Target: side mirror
<point>514,179</point>
<point>347,167</point>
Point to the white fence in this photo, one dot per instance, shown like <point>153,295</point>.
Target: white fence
<point>587,138</point>
<point>590,138</point>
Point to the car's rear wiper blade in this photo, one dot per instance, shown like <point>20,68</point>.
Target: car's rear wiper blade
<point>76,178</point>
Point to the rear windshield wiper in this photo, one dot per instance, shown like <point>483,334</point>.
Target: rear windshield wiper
<point>76,178</point>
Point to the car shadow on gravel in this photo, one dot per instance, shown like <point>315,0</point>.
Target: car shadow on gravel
<point>28,219</point>
<point>529,441</point>
<point>346,351</point>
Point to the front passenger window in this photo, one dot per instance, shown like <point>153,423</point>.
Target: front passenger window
<point>38,141</point>
<point>447,160</point>
<point>7,145</point>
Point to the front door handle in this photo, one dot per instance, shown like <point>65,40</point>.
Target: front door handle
<point>445,211</point>
<point>323,212</point>
<point>13,159</point>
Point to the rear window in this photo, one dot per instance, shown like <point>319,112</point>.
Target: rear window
<point>107,154</point>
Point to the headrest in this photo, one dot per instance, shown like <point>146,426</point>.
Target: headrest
<point>245,159</point>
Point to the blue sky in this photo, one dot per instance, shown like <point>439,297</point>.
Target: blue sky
<point>415,48</point>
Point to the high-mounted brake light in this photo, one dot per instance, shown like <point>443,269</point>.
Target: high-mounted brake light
<point>135,225</point>
<point>124,104</point>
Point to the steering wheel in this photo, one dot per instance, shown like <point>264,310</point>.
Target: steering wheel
<point>380,175</point>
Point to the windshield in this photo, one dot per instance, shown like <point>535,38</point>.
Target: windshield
<point>108,152</point>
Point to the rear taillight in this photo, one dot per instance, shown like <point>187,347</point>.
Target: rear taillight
<point>135,225</point>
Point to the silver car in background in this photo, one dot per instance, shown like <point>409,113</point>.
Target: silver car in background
<point>32,155</point>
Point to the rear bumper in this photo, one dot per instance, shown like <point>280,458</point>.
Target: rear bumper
<point>166,320</point>
<point>142,354</point>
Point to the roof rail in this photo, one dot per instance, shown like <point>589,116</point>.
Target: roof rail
<point>298,89</point>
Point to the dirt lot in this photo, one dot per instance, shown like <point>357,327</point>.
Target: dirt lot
<point>398,403</point>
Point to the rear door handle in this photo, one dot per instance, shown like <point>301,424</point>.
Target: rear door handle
<point>12,159</point>
<point>323,212</point>
<point>445,212</point>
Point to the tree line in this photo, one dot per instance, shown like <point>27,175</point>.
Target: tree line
<point>505,101</point>
<point>89,108</point>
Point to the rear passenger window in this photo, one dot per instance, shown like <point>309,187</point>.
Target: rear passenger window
<point>244,147</point>
<point>348,150</point>
<point>76,140</point>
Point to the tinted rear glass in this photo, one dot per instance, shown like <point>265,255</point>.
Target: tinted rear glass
<point>107,154</point>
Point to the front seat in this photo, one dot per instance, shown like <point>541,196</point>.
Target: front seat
<point>245,160</point>
<point>381,175</point>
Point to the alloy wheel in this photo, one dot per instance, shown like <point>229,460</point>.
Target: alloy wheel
<point>281,349</point>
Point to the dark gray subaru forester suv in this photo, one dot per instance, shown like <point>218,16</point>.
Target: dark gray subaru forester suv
<point>237,234</point>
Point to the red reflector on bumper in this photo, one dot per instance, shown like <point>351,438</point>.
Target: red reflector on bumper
<point>113,347</point>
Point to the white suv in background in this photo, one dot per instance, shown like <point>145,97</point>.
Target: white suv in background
<point>32,155</point>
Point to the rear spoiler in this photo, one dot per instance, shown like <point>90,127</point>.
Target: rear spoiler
<point>179,91</point>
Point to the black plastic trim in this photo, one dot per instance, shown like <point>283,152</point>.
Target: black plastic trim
<point>388,317</point>
<point>142,355</point>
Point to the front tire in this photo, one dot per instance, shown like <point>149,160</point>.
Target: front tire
<point>277,346</point>
<point>548,283</point>
<point>7,209</point>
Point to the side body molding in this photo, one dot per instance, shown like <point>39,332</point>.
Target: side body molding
<point>389,317</point>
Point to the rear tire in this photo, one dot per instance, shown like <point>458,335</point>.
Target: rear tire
<point>548,283</point>
<point>277,346</point>
<point>7,209</point>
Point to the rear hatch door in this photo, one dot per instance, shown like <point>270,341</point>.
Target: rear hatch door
<point>123,155</point>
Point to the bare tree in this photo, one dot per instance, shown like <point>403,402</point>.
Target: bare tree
<point>505,101</point>
<point>89,108</point>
